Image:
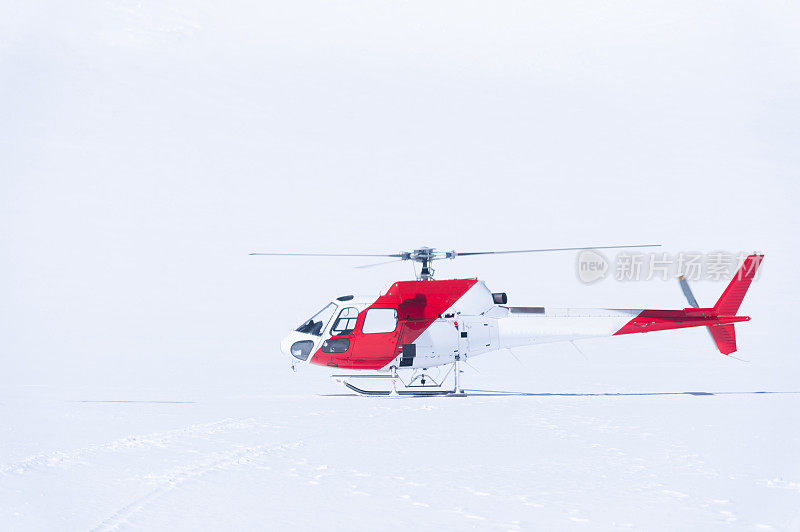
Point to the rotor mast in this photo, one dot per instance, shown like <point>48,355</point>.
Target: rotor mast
<point>426,272</point>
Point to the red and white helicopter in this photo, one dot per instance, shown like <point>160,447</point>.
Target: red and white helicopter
<point>426,323</point>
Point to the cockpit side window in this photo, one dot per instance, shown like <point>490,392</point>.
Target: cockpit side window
<point>345,322</point>
<point>318,321</point>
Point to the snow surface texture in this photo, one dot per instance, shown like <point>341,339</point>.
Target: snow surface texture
<point>146,147</point>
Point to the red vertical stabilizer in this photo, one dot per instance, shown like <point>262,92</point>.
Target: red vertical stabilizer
<point>730,301</point>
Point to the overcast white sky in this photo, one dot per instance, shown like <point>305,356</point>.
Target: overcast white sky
<point>146,147</point>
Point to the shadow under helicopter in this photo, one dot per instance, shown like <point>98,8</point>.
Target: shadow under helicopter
<point>614,394</point>
<point>502,393</point>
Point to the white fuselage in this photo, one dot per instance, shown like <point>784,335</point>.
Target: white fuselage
<point>490,327</point>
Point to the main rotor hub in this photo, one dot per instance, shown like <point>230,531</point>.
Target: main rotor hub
<point>425,256</point>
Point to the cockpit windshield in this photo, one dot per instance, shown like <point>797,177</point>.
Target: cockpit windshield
<point>318,321</point>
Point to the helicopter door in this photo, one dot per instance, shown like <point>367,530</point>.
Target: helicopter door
<point>379,332</point>
<point>422,343</point>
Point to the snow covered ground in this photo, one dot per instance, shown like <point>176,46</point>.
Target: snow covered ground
<point>147,146</point>
<point>574,449</point>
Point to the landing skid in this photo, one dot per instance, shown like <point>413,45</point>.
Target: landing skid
<point>416,386</point>
<point>387,393</point>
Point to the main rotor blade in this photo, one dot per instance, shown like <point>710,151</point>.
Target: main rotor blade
<point>378,263</point>
<point>327,255</point>
<point>459,254</point>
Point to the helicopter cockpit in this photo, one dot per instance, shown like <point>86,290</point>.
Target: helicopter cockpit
<point>316,324</point>
<point>337,318</point>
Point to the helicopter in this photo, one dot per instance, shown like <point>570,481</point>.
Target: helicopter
<point>418,326</point>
